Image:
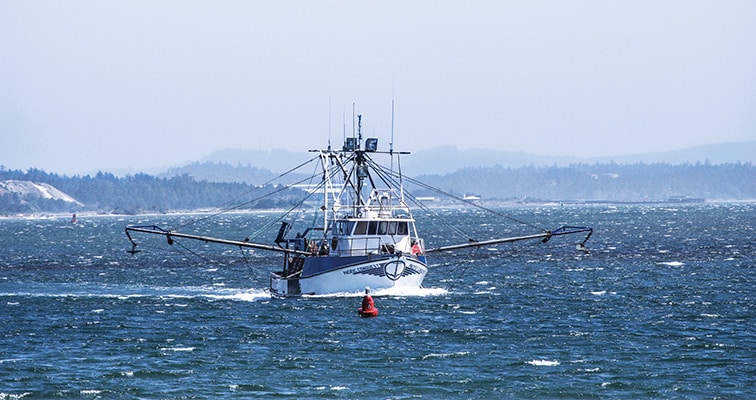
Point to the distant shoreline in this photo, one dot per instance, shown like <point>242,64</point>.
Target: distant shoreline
<point>488,203</point>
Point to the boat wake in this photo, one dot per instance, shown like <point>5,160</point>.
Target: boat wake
<point>130,292</point>
<point>198,292</point>
<point>389,292</point>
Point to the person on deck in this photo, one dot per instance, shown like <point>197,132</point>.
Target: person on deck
<point>367,301</point>
<point>416,250</point>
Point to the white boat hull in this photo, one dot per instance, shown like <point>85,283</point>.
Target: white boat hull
<point>398,271</point>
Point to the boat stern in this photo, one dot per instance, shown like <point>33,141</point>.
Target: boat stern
<point>281,286</point>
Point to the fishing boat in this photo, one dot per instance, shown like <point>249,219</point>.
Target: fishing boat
<point>367,236</point>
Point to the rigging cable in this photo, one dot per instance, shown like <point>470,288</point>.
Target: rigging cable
<point>418,203</point>
<point>297,205</point>
<point>439,191</point>
<point>237,206</point>
<point>289,211</point>
<point>294,207</point>
<point>469,263</point>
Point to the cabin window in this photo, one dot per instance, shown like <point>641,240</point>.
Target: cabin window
<point>361,228</point>
<point>343,227</point>
<point>389,228</point>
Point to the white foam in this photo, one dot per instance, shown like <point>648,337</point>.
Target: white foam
<point>177,349</point>
<point>11,396</point>
<point>218,293</point>
<point>391,292</point>
<point>446,355</point>
<point>241,295</point>
<point>543,363</point>
<point>336,388</point>
<point>672,263</point>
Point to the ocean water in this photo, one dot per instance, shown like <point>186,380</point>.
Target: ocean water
<point>662,307</point>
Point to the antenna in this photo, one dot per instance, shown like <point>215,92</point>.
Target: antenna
<point>353,128</point>
<point>391,144</point>
<point>329,123</point>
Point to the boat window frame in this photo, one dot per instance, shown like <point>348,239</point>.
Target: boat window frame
<point>372,228</point>
<point>375,228</point>
<point>360,228</point>
<point>343,227</point>
<point>402,228</point>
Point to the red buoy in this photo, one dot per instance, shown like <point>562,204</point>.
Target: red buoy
<point>368,306</point>
<point>367,314</point>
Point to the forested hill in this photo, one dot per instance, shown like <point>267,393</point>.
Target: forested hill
<point>143,193</point>
<point>139,193</point>
<point>610,182</point>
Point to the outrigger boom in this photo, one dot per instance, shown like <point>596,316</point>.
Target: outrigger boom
<point>565,230</point>
<point>154,229</point>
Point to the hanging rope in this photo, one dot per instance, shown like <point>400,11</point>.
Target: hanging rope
<point>468,263</point>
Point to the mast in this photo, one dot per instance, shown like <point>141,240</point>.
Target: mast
<point>326,188</point>
<point>359,161</point>
<point>326,184</point>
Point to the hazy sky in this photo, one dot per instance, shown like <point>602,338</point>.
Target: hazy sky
<point>90,85</point>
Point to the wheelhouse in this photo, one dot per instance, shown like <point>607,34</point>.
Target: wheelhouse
<point>353,237</point>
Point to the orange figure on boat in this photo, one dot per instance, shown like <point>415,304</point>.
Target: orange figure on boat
<point>416,250</point>
<point>368,306</point>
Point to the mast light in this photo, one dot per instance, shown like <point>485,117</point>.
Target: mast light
<point>371,144</point>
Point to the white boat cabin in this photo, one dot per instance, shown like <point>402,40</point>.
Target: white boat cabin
<point>359,237</point>
<point>376,230</point>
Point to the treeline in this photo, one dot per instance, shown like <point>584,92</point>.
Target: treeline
<point>221,172</point>
<point>142,193</point>
<point>612,182</point>
<point>225,172</point>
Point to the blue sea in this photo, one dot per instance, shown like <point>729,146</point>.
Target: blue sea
<point>662,307</point>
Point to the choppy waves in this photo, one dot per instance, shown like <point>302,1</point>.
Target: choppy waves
<point>661,307</point>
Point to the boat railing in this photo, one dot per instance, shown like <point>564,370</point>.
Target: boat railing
<point>384,203</point>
